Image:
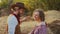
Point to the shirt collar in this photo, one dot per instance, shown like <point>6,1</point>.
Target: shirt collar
<point>41,23</point>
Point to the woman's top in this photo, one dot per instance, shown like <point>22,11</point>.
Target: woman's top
<point>41,28</point>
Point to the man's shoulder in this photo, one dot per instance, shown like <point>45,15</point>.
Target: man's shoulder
<point>11,18</point>
<point>11,15</point>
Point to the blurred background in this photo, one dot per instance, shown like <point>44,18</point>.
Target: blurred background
<point>51,9</point>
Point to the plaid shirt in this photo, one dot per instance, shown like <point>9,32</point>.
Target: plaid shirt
<point>40,29</point>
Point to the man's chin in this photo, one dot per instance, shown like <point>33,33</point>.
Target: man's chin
<point>19,15</point>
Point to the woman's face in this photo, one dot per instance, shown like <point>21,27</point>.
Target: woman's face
<point>36,16</point>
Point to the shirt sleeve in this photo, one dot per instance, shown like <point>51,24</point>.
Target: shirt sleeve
<point>12,22</point>
<point>37,30</point>
<point>41,30</point>
<point>32,32</point>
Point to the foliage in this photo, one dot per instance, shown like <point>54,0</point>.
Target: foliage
<point>34,4</point>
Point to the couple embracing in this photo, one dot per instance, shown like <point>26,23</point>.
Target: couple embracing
<point>14,21</point>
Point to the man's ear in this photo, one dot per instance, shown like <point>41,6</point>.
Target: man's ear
<point>12,9</point>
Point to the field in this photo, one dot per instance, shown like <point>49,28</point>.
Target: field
<point>26,27</point>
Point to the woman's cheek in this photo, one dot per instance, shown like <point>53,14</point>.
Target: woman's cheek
<point>35,17</point>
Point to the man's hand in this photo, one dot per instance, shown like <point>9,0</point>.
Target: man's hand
<point>25,19</point>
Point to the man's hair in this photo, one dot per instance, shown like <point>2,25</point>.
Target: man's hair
<point>18,4</point>
<point>41,14</point>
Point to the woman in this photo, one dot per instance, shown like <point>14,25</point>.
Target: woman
<point>39,17</point>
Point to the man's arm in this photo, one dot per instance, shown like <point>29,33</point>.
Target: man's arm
<point>24,19</point>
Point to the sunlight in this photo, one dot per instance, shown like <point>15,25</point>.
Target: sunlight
<point>0,1</point>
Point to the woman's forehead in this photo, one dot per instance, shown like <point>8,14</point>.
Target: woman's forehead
<point>36,12</point>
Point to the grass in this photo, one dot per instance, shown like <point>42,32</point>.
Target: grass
<point>26,27</point>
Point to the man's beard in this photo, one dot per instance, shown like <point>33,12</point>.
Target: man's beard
<point>18,14</point>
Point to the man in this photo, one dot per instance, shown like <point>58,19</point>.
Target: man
<point>13,19</point>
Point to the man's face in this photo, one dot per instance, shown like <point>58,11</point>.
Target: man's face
<point>21,11</point>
